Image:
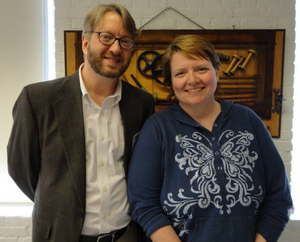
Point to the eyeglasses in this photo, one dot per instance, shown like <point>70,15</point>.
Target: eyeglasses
<point>109,39</point>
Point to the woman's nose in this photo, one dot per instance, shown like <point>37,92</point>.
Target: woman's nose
<point>193,79</point>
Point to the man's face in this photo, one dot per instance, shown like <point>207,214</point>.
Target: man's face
<point>108,61</point>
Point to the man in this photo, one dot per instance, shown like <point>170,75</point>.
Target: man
<point>72,137</point>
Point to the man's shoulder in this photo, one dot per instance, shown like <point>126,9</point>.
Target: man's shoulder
<point>51,83</point>
<point>49,91</point>
<point>127,87</point>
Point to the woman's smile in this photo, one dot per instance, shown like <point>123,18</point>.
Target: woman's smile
<point>195,90</point>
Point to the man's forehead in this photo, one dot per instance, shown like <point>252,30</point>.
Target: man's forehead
<point>105,24</point>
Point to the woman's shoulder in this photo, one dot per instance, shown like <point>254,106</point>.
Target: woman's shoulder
<point>231,108</point>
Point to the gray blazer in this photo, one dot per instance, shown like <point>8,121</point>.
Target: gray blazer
<point>46,151</point>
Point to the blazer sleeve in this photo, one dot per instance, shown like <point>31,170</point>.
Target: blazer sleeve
<point>23,150</point>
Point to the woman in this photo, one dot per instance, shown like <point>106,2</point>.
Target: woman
<point>206,170</point>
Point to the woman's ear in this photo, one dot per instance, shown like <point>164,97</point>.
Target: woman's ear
<point>217,73</point>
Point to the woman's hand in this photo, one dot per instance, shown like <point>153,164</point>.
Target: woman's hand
<point>259,238</point>
<point>165,234</point>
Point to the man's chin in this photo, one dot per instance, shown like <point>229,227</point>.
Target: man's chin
<point>107,73</point>
<point>113,72</point>
<point>110,74</point>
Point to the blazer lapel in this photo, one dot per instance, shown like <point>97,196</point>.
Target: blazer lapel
<point>69,114</point>
<point>130,109</point>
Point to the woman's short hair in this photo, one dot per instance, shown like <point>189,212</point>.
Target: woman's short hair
<point>95,15</point>
<point>189,46</point>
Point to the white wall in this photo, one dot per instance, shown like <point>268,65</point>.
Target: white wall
<point>21,60</point>
<point>20,64</point>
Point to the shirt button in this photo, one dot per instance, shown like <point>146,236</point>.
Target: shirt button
<point>215,125</point>
<point>102,138</point>
<point>220,168</point>
<point>101,163</point>
<point>105,189</point>
<point>213,138</point>
<point>104,216</point>
<point>217,153</point>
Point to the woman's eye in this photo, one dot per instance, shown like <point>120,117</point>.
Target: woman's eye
<point>179,74</point>
<point>201,69</point>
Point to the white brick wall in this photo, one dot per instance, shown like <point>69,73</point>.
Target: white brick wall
<point>15,229</point>
<point>210,14</point>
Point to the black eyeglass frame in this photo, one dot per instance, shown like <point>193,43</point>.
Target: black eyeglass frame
<point>115,38</point>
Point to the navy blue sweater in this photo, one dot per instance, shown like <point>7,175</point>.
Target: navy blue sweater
<point>224,185</point>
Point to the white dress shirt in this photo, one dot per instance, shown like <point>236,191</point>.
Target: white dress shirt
<point>107,206</point>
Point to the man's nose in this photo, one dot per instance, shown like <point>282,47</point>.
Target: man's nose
<point>115,47</point>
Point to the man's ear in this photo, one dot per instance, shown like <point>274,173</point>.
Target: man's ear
<point>132,51</point>
<point>85,43</point>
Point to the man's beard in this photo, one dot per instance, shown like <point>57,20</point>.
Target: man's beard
<point>96,63</point>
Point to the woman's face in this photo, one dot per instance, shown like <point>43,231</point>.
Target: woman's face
<point>194,81</point>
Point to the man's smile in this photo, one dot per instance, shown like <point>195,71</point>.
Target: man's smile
<point>113,59</point>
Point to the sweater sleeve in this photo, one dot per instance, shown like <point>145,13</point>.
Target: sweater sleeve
<point>273,211</point>
<point>145,179</point>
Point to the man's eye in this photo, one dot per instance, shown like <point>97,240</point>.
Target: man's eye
<point>106,37</point>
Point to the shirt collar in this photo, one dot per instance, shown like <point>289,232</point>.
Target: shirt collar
<point>184,117</point>
<point>82,86</point>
